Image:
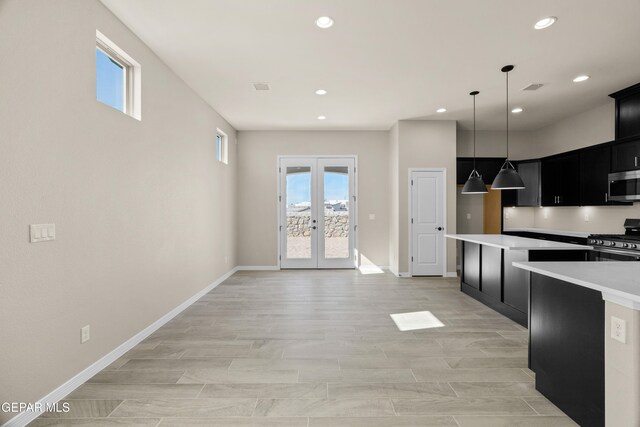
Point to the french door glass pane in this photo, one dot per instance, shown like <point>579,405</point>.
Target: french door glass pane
<point>336,212</point>
<point>298,212</point>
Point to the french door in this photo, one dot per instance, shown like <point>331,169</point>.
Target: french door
<point>317,212</point>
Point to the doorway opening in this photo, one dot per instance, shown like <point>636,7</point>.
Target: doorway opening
<point>317,212</point>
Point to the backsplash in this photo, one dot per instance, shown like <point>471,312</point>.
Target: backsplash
<point>593,219</point>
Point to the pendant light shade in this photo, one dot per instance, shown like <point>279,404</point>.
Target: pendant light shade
<point>508,178</point>
<point>474,184</point>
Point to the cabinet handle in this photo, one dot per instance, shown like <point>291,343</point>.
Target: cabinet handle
<point>635,161</point>
<point>606,197</point>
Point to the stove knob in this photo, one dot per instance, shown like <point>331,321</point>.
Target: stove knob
<point>625,245</point>
<point>634,246</point>
<point>600,242</point>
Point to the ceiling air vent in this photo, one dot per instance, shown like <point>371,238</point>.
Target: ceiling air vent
<point>261,86</point>
<point>533,86</point>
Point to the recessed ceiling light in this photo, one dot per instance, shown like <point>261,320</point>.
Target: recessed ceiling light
<point>581,78</point>
<point>441,110</point>
<point>324,22</point>
<point>321,92</point>
<point>545,22</point>
<point>517,110</point>
<point>322,117</point>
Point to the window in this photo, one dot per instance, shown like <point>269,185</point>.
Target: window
<point>221,147</point>
<point>117,78</point>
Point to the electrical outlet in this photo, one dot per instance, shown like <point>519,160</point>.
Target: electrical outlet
<point>372,217</point>
<point>85,334</point>
<point>545,214</point>
<point>226,260</point>
<point>506,214</point>
<point>468,216</point>
<point>618,329</point>
<point>587,218</point>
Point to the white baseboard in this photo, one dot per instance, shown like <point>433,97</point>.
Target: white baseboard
<point>24,418</point>
<point>257,267</point>
<point>451,274</point>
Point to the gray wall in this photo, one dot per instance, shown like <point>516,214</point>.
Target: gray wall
<point>258,188</point>
<point>144,214</point>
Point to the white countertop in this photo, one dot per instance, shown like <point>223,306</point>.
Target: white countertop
<point>514,243</point>
<point>583,234</point>
<point>619,282</point>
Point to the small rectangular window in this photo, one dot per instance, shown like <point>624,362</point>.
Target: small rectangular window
<point>117,77</point>
<point>221,147</point>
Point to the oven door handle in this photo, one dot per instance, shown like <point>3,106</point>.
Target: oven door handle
<point>618,252</point>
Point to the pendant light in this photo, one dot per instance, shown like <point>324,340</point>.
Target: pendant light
<point>474,184</point>
<point>508,178</point>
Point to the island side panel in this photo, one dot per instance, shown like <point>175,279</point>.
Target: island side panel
<point>471,264</point>
<point>566,347</point>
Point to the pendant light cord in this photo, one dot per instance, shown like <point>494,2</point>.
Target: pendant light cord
<point>474,132</point>
<point>507,73</point>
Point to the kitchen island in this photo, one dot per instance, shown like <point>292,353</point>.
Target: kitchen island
<point>575,348</point>
<point>489,276</point>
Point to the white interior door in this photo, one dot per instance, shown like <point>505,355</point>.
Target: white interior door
<point>317,212</point>
<point>428,213</point>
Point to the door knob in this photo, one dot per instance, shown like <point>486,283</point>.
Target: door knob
<point>439,228</point>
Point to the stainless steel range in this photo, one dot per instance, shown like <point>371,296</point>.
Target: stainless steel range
<point>617,247</point>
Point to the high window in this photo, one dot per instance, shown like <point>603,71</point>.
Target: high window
<point>221,147</point>
<point>117,77</point>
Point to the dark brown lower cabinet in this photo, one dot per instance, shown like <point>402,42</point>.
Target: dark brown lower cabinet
<point>492,272</point>
<point>471,264</point>
<point>489,276</point>
<point>566,347</point>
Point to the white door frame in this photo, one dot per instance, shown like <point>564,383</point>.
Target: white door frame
<point>355,204</point>
<point>444,216</point>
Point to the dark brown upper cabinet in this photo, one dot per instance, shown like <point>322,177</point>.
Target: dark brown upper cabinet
<point>627,112</point>
<point>561,180</point>
<point>625,155</point>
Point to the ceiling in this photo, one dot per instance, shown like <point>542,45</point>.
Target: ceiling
<point>388,60</point>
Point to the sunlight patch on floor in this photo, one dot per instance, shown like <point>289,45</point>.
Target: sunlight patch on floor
<point>416,320</point>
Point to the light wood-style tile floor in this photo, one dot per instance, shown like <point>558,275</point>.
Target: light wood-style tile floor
<point>319,349</point>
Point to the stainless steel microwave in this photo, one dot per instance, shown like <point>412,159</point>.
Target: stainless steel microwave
<point>624,186</point>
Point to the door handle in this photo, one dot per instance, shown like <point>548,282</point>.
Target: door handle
<point>314,221</point>
<point>439,228</point>
<point>314,227</point>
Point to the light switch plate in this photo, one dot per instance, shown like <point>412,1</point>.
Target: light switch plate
<point>468,216</point>
<point>618,329</point>
<point>372,216</point>
<point>42,232</point>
